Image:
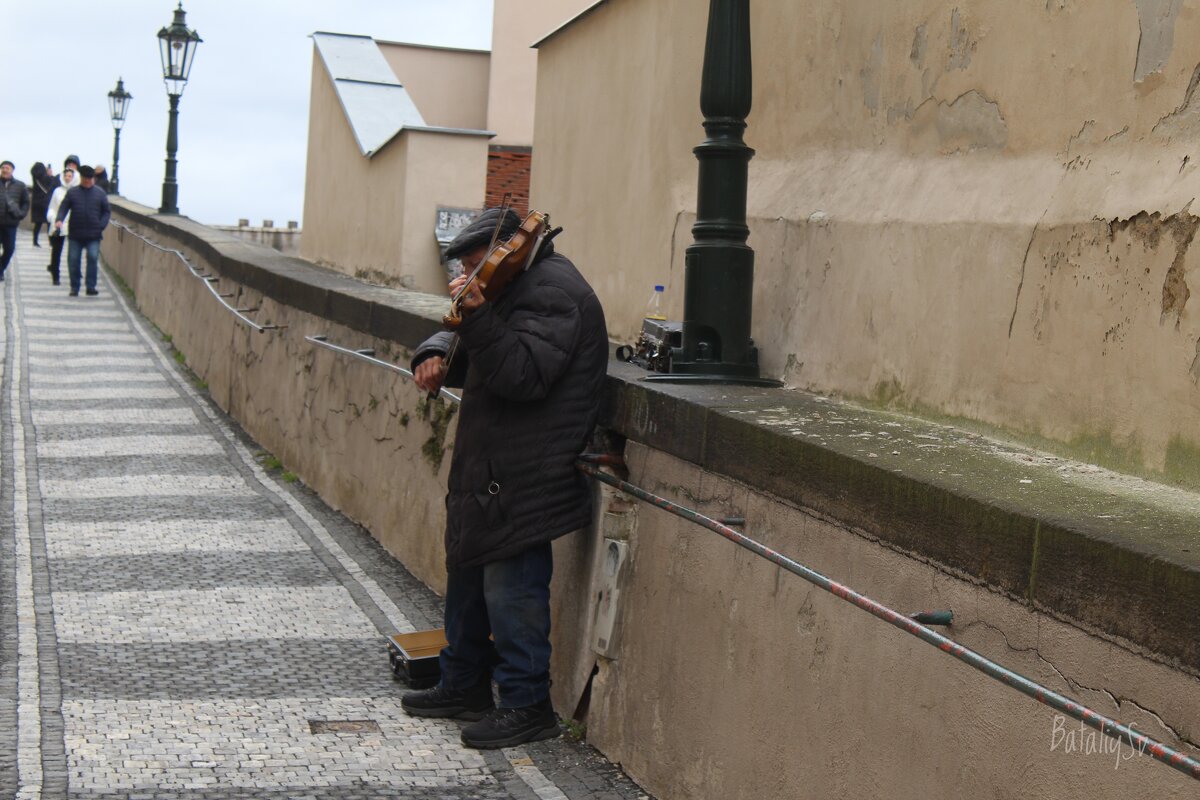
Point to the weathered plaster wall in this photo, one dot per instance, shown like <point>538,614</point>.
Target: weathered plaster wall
<point>978,210</point>
<point>374,217</point>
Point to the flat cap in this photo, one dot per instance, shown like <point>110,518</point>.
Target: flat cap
<point>479,232</point>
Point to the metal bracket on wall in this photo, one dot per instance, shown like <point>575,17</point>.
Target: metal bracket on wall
<point>209,281</point>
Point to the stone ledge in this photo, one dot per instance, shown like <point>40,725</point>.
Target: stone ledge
<point>393,314</point>
<point>1117,554</point>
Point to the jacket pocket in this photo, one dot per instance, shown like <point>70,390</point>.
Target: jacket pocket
<point>491,496</point>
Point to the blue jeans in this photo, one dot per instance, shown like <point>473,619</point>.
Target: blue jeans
<point>8,244</point>
<point>510,600</point>
<point>75,250</point>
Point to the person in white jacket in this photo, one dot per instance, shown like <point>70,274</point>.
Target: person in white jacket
<point>70,179</point>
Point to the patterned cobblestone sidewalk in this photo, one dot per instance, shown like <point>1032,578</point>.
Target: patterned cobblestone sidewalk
<point>173,618</point>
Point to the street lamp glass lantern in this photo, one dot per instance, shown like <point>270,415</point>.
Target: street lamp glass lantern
<point>118,104</point>
<point>177,46</point>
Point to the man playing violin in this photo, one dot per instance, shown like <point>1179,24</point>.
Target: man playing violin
<point>531,362</point>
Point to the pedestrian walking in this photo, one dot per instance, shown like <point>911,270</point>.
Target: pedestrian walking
<point>532,362</point>
<point>40,189</point>
<point>102,179</point>
<point>58,236</point>
<point>14,205</point>
<point>88,206</point>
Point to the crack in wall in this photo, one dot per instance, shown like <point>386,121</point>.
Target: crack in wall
<point>1024,262</point>
<point>1076,686</point>
<point>1185,119</point>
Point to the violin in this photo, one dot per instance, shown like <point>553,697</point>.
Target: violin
<point>503,262</point>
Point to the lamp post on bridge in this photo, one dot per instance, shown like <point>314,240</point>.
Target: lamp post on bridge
<point>177,46</point>
<point>118,107</point>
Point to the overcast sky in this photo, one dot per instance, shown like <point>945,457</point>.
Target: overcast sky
<point>243,121</point>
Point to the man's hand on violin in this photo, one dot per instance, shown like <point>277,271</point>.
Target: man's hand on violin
<point>429,375</point>
<point>471,299</point>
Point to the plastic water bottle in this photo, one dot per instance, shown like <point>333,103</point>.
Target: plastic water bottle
<point>654,307</point>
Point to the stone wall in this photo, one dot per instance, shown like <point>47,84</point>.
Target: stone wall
<point>723,675</point>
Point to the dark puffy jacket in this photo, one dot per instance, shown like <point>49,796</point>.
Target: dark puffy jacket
<point>14,203</point>
<point>535,362</point>
<point>39,191</point>
<point>89,210</point>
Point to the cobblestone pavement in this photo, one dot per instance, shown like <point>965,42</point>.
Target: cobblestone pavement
<point>173,617</point>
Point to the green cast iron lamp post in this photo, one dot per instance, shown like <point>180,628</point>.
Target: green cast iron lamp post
<point>177,46</point>
<point>118,107</point>
<point>719,265</point>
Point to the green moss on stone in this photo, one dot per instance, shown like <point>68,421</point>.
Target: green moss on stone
<point>438,414</point>
<point>888,394</point>
<point>1183,462</point>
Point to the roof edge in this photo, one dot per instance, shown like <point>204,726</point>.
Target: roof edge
<point>567,24</point>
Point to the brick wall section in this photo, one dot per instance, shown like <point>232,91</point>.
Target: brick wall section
<point>508,171</point>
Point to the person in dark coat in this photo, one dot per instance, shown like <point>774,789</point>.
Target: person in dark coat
<point>102,179</point>
<point>531,363</point>
<point>88,207</point>
<point>39,197</point>
<point>14,205</point>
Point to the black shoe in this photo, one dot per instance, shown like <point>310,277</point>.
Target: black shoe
<point>507,727</point>
<point>471,704</point>
<point>74,293</point>
<point>93,292</point>
<point>54,279</point>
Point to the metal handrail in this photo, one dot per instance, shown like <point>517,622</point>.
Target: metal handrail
<point>590,465</point>
<point>369,357</point>
<point>209,282</point>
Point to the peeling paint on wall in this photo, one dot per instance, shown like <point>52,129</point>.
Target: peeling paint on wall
<point>962,46</point>
<point>971,122</point>
<point>1149,229</point>
<point>1157,20</point>
<point>1184,120</point>
<point>920,42</point>
<point>871,76</point>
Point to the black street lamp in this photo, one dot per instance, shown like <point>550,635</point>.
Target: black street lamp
<point>719,265</point>
<point>177,46</point>
<point>118,107</point>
